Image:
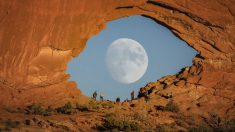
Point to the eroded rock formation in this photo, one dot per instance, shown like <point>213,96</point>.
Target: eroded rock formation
<point>38,38</point>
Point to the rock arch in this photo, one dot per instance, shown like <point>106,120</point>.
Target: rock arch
<point>38,38</point>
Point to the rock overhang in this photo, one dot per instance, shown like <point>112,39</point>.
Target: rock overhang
<point>39,38</point>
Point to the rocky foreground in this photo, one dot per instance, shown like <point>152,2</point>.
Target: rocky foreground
<point>173,103</point>
<point>38,38</point>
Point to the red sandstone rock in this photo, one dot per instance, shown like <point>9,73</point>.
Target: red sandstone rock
<point>193,79</point>
<point>39,38</point>
<point>180,83</point>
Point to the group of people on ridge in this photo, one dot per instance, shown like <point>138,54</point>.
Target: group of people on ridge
<point>117,99</point>
<point>95,95</point>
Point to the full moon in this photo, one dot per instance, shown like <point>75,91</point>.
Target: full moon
<point>126,60</point>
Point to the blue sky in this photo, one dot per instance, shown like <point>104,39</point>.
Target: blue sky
<point>167,54</point>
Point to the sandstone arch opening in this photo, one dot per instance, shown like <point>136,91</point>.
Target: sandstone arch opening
<point>38,38</point>
<point>167,55</point>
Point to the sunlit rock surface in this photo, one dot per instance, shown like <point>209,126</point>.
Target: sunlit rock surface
<point>39,38</point>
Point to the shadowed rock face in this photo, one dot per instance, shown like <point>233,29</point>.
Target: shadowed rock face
<point>38,38</point>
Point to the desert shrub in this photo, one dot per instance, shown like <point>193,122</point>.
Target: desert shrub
<point>189,120</point>
<point>219,124</point>
<point>160,128</point>
<point>214,123</point>
<point>140,116</point>
<point>82,107</point>
<point>214,120</point>
<point>180,122</point>
<point>9,124</point>
<point>94,105</point>
<point>165,127</point>
<point>229,125</point>
<point>66,109</point>
<point>107,104</point>
<point>184,121</point>
<point>49,111</point>
<point>171,106</point>
<point>200,128</point>
<point>111,122</point>
<point>17,110</point>
<point>35,109</point>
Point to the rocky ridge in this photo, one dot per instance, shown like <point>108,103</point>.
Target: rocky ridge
<point>39,38</point>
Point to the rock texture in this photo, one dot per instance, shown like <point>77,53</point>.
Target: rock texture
<point>38,38</point>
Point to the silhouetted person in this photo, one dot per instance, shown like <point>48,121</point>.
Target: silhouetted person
<point>132,95</point>
<point>118,99</point>
<point>94,95</point>
<point>101,97</point>
<point>140,93</point>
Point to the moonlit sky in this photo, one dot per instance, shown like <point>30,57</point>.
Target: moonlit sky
<point>167,54</point>
<point>126,60</point>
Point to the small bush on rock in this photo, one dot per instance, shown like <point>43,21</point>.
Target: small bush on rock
<point>171,106</point>
<point>113,123</point>
<point>35,109</point>
<point>82,108</point>
<point>9,124</point>
<point>199,128</point>
<point>66,109</point>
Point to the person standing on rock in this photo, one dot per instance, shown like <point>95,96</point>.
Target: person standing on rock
<point>132,95</point>
<point>94,95</point>
<point>118,99</point>
<point>101,97</point>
